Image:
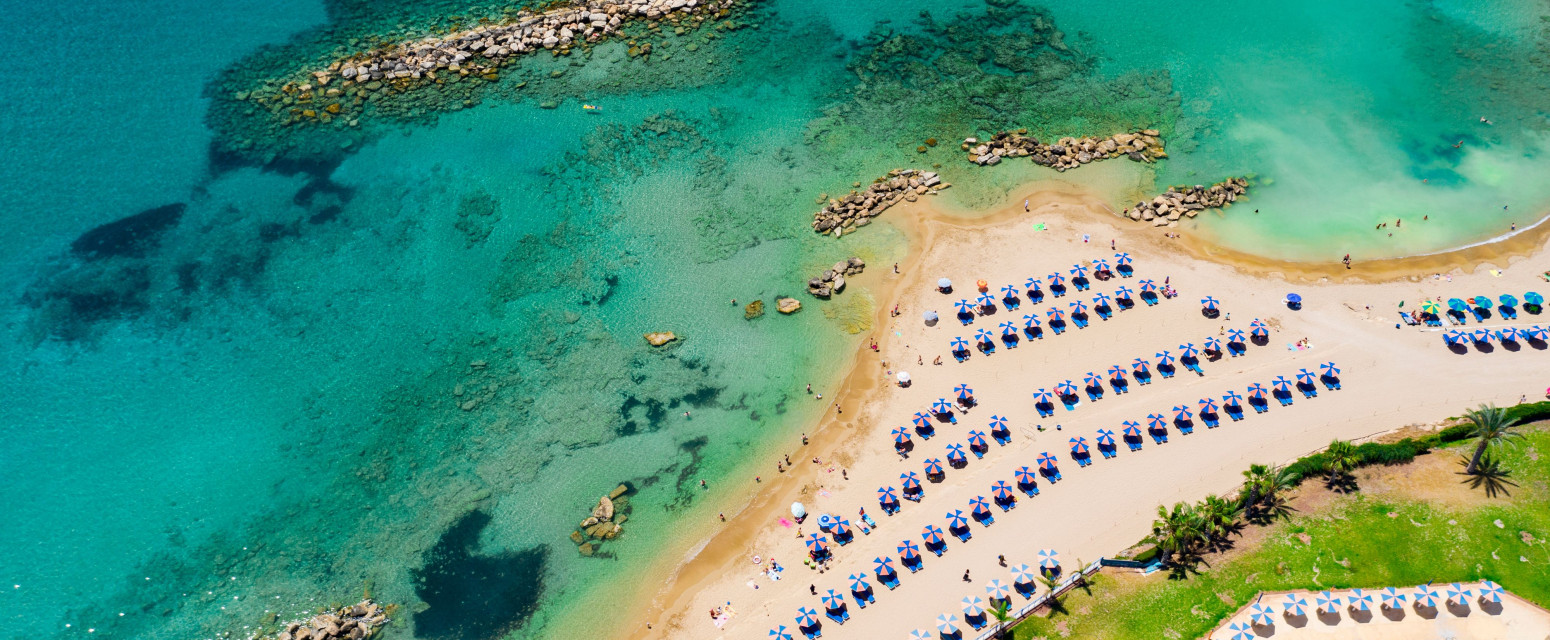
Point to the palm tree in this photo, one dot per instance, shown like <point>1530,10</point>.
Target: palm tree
<point>1339,459</point>
<point>1217,515</point>
<point>1263,489</point>
<point>1055,605</point>
<point>1490,474</point>
<point>1178,531</point>
<point>1002,613</point>
<point>1490,425</point>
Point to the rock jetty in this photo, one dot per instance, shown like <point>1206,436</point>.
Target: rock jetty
<point>347,623</point>
<point>1187,201</point>
<point>1065,153</point>
<point>847,213</point>
<point>832,280</point>
<point>606,521</point>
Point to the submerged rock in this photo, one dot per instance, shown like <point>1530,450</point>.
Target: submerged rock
<point>753,310</point>
<point>659,338</point>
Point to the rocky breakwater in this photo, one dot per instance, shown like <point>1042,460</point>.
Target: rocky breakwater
<point>1187,202</point>
<point>605,522</point>
<point>854,210</point>
<point>832,280</point>
<point>361,620</point>
<point>1065,153</point>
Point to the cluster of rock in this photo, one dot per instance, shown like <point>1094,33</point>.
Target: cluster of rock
<point>833,279</point>
<point>606,521</point>
<point>856,209</point>
<point>348,623</point>
<point>1065,153</point>
<point>1187,201</point>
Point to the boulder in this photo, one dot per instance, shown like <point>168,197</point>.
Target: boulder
<point>604,509</point>
<point>591,520</point>
<point>587,549</point>
<point>787,306</point>
<point>753,310</point>
<point>618,491</point>
<point>659,338</point>
<point>839,284</point>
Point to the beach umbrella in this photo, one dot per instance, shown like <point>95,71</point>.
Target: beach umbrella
<point>1032,284</point>
<point>997,589</point>
<point>1210,303</point>
<point>806,617</point>
<point>930,316</point>
<point>779,633</point>
<point>931,534</point>
<point>1116,372</point>
<point>1078,307</point>
<point>1023,574</point>
<point>1259,331</point>
<point>1212,344</point>
<point>1054,314</point>
<point>907,549</point>
<point>817,543</point>
<point>1207,405</point>
<point>1457,304</point>
<point>921,419</point>
<point>1426,596</point>
<point>1490,591</point>
<point>1164,359</point>
<point>1182,413</point>
<point>947,624</point>
<point>1132,429</point>
<point>1392,598</point>
<point>833,601</point>
<point>1235,335</point>
<point>1281,383</point>
<point>1046,461</point>
<point>841,527</point>
<point>1078,271</point>
<point>979,505</point>
<point>1536,332</point>
<point>1078,445</point>
<point>1458,593</point>
<point>1100,264</point>
<point>884,566</point>
<point>1101,300</point>
<point>1010,291</point>
<point>1024,475</point>
<point>941,406</point>
<point>1241,631</point>
<point>1030,321</point>
<point>1187,350</point>
<point>1295,605</point>
<point>1122,258</point>
<point>959,344</point>
<point>983,337</point>
<point>903,377</point>
<point>977,439</point>
<point>886,495</point>
<point>1147,285</point>
<point>1105,438</point>
<point>1359,600</point>
<point>1008,329</point>
<point>1042,397</point>
<point>1481,335</point>
<point>1138,365</point>
<point>1056,278</point>
<point>1093,379</point>
<point>920,634</point>
<point>1001,490</point>
<point>1304,375</point>
<point>1327,601</point>
<point>964,306</point>
<point>963,392</point>
<point>1293,298</point>
<point>1156,420</point>
<point>798,511</point>
<point>1261,614</point>
<point>1452,337</point>
<point>901,435</point>
<point>1482,301</point>
<point>1533,298</point>
<point>985,300</point>
<point>1330,369</point>
<point>1048,559</point>
<point>1505,335</point>
<point>955,451</point>
<point>1066,388</point>
<point>997,423</point>
<point>1123,293</point>
<point>933,467</point>
<point>944,283</point>
<point>1431,306</point>
<point>858,583</point>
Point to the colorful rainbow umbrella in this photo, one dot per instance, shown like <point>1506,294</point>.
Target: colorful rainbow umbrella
<point>1431,306</point>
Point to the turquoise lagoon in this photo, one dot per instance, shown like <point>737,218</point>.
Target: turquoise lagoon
<point>411,366</point>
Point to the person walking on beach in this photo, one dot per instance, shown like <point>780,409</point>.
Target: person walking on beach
<point>1025,206</point>
<point>895,267</point>
<point>1111,244</point>
<point>966,576</point>
<point>809,387</point>
<point>1347,260</point>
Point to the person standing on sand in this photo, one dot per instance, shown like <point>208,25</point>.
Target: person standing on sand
<point>895,267</point>
<point>1347,260</point>
<point>804,443</point>
<point>966,576</point>
<point>1025,206</point>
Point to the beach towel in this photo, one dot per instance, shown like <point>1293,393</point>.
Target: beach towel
<point>785,523</point>
<point>1496,272</point>
<point>1038,226</point>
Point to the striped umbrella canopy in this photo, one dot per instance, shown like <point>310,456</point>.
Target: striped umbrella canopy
<point>1100,264</point>
<point>1256,390</point>
<point>997,589</point>
<point>1330,369</point>
<point>806,617</point>
<point>1046,461</point>
<point>1132,429</point>
<point>1093,379</point>
<point>1009,291</point>
<point>983,337</point>
<point>909,480</point>
<point>964,306</point>
<point>1056,278</point>
<point>1164,358</point>
<point>1212,344</point>
<point>1025,475</point>
<point>1030,321</point>
<point>907,549</point>
<point>947,624</point>
<point>1138,365</point>
<point>1123,293</point>
<point>1304,375</point>
<point>1481,301</point>
<point>1148,285</point>
<point>1457,304</point>
<point>841,527</point>
<point>901,435</point>
<point>1116,372</point>
<point>817,543</point>
<point>1122,258</point>
<point>1431,306</point>
<point>1359,599</point>
<point>1241,631</point>
<point>1507,300</point>
<point>1001,490</point>
<point>932,534</point>
<point>1262,614</point>
<point>1066,388</point>
<point>833,601</point>
<point>1506,334</point>
<point>1008,329</point>
<point>1257,328</point>
<point>1210,303</point>
<point>1023,574</point>
<point>941,406</point>
<point>933,466</point>
<point>883,566</point>
<point>1188,350</point>
<point>1392,598</point>
<point>1426,596</point>
<point>1155,420</point>
<point>1458,593</point>
<point>1102,300</point>
<point>1295,605</point>
<point>1327,601</point>
<point>1207,405</point>
<point>1054,314</point>
<point>779,633</point>
<point>959,344</point>
<point>1481,335</point>
<point>997,423</point>
<point>979,505</point>
<point>1533,298</point>
<point>1105,438</point>
<point>1042,397</point>
<point>1537,332</point>
<point>1048,559</point>
<point>1281,383</point>
<point>955,452</point>
<point>1183,412</point>
<point>858,583</point>
<point>1032,284</point>
<point>963,392</point>
<point>1078,307</point>
<point>1490,591</point>
<point>886,495</point>
<point>920,634</point>
<point>976,438</point>
<point>1079,445</point>
<point>1235,335</point>
<point>1453,337</point>
<point>1078,270</point>
<point>985,300</point>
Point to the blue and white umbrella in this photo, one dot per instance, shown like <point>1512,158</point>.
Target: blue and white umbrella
<point>901,435</point>
<point>1066,388</point>
<point>1392,598</point>
<point>1025,475</point>
<point>997,590</point>
<point>1458,593</point>
<point>1001,490</point>
<point>841,527</point>
<point>1048,559</point>
<point>1093,379</point>
<point>1054,314</point>
<point>1009,291</point>
<point>1164,359</point>
<point>1132,429</point>
<point>1023,574</point>
<point>1123,293</point>
<point>1042,397</point>
<point>1261,614</point>
<point>1105,438</point>
<point>1079,446</point>
<point>985,300</point>
<point>1117,373</point>
<point>1507,334</point>
<point>1078,271</point>
<point>1183,413</point>
<point>977,439</point>
<point>907,549</point>
<point>1156,421</point>
<point>1490,591</point>
<point>931,534</point>
<point>959,344</point>
<point>1359,600</point>
<point>779,633</point>
<point>883,566</point>
<point>1235,335</point>
<point>1231,398</point>
<point>941,406</point>
<point>983,337</point>
<point>1032,284</point>
<point>1212,344</point>
<point>1481,335</point>
<point>1241,631</point>
<point>816,543</point>
<point>1055,278</point>
<point>1426,596</point>
<point>1122,258</point>
<point>964,306</point>
<point>858,583</point>
<point>1148,285</point>
<point>997,423</point>
<point>920,634</point>
<point>973,606</point>
<point>1327,601</point>
<point>1207,405</point>
<point>1304,375</point>
<point>1281,383</point>
<point>1187,350</point>
<point>963,392</point>
<point>886,495</point>
<point>955,452</point>
<point>1008,329</point>
<point>1100,264</point>
<point>1078,307</point>
<point>979,505</point>
<point>833,601</point>
<point>947,624</point>
<point>944,283</point>
<point>806,617</point>
<point>1030,321</point>
<point>1295,605</point>
<point>1330,369</point>
<point>1257,327</point>
<point>933,467</point>
<point>1210,303</point>
<point>1138,365</point>
<point>1537,332</point>
<point>909,481</point>
<point>1453,337</point>
<point>1101,300</point>
<point>1046,461</point>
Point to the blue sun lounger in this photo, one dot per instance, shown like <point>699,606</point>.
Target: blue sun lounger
<point>1234,411</point>
<point>1033,333</point>
<point>889,508</point>
<point>965,536</point>
<point>1286,400</point>
<point>966,318</point>
<point>1508,313</point>
<point>1475,311</point>
<point>913,566</point>
<point>987,348</point>
<point>961,356</point>
<point>1035,297</point>
<point>978,454</point>
<point>1104,314</point>
<point>1135,445</point>
<point>1431,320</point>
<point>1235,349</point>
<point>1308,391</point>
<point>1045,409</point>
<point>1185,428</point>
<point>1009,340</point>
<point>891,582</point>
<point>1005,438</point>
<point>977,623</point>
<point>915,497</point>
<point>1211,423</point>
<point>1108,452</point>
<point>1143,377</point>
<point>1057,290</point>
<point>1081,284</point>
<point>1408,319</point>
<point>1025,590</point>
<point>1195,367</point>
<point>1079,322</point>
<point>1120,386</point>
<point>1166,371</point>
<point>1260,406</point>
<point>1082,461</point>
<point>1094,393</point>
<point>1031,490</point>
<point>1007,505</point>
<point>987,520</point>
<point>1011,304</point>
<point>1149,298</point>
<point>863,599</point>
<point>938,550</point>
<point>1058,327</point>
<point>813,634</point>
<point>1053,476</point>
<point>839,617</point>
<point>1332,384</point>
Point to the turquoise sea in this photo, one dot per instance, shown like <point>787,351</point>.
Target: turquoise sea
<point>406,357</point>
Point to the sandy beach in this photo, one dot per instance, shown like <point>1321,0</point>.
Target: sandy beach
<point>1391,378</point>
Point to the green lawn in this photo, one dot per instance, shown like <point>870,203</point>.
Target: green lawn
<point>1353,542</point>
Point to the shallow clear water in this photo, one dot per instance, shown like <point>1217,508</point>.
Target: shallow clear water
<point>413,367</point>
